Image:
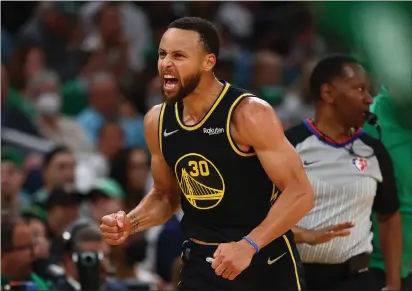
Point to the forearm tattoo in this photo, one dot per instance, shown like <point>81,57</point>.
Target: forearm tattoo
<point>134,223</point>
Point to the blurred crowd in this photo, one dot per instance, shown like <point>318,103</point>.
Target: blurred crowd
<point>76,81</point>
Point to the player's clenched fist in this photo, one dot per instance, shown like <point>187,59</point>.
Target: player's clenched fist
<point>115,228</point>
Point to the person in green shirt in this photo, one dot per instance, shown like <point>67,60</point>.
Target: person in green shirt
<point>396,130</point>
<point>17,255</point>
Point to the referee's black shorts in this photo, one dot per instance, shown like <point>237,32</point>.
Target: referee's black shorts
<point>275,267</point>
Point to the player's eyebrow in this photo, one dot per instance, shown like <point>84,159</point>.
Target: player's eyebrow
<point>180,52</point>
<point>160,50</point>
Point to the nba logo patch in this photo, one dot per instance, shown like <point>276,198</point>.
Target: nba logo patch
<point>360,164</point>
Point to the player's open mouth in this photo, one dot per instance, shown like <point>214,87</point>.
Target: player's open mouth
<point>170,82</point>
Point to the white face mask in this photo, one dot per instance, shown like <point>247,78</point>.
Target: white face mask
<point>48,103</point>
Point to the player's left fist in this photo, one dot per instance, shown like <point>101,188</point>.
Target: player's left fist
<point>230,259</point>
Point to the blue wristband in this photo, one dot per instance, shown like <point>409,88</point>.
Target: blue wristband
<point>252,243</point>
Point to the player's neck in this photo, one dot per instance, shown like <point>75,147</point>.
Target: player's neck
<point>329,125</point>
<point>201,100</point>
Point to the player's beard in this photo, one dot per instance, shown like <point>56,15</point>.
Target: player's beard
<point>184,90</point>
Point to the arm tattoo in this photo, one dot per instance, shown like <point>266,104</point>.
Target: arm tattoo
<point>134,222</point>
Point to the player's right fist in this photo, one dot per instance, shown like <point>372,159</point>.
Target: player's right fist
<point>115,228</point>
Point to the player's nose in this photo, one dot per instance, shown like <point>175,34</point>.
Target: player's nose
<point>166,63</point>
<point>368,99</point>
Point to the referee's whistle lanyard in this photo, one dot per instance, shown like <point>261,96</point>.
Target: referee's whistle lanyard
<point>371,119</point>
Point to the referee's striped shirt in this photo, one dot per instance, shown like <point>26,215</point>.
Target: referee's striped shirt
<point>346,189</point>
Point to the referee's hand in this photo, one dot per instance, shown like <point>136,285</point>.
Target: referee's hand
<point>115,228</point>
<point>323,235</point>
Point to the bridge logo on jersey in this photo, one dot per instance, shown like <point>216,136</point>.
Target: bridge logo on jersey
<point>200,181</point>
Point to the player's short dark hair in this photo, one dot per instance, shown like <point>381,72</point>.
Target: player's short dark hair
<point>327,69</point>
<point>49,156</point>
<point>209,35</point>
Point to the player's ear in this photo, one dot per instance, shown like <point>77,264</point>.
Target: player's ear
<point>209,62</point>
<point>326,94</point>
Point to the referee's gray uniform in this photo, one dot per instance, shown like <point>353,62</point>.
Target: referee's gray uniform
<point>346,188</point>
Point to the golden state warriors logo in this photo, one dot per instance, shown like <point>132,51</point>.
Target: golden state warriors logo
<point>200,181</point>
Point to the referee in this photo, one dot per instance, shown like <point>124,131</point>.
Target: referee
<point>351,174</point>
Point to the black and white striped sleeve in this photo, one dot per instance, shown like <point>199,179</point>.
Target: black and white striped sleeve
<point>297,134</point>
<point>386,199</point>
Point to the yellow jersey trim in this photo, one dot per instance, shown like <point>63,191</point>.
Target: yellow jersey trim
<point>235,148</point>
<point>275,194</point>
<point>162,113</point>
<point>293,261</point>
<point>203,120</point>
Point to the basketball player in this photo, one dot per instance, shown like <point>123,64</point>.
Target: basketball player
<point>224,150</point>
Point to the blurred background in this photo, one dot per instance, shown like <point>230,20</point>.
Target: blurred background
<point>77,79</point>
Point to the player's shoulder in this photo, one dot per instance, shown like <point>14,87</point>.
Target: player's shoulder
<point>151,119</point>
<point>297,134</point>
<point>253,108</point>
<point>237,92</point>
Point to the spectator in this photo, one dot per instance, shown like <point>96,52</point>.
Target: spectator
<point>62,206</point>
<point>130,168</point>
<point>106,197</point>
<point>43,89</point>
<point>111,139</point>
<point>36,221</point>
<point>238,18</point>
<point>11,115</point>
<point>268,76</point>
<point>58,170</point>
<point>127,259</point>
<point>104,104</point>
<point>25,61</point>
<point>132,123</point>
<point>53,27</point>
<point>12,177</point>
<point>17,254</point>
<point>75,92</point>
<point>96,165</point>
<point>168,247</point>
<point>393,114</point>
<point>298,104</point>
<point>132,20</point>
<point>112,39</point>
<point>86,238</point>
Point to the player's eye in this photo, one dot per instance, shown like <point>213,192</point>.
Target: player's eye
<point>179,56</point>
<point>162,54</point>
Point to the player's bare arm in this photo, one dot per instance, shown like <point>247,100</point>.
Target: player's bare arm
<point>256,124</point>
<point>159,204</point>
<point>164,199</point>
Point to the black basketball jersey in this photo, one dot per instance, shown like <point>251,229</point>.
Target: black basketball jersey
<point>225,191</point>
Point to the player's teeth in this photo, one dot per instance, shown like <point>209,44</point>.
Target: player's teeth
<point>168,76</point>
<point>169,86</point>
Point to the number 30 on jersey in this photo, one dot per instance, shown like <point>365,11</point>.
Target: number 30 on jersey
<point>199,168</point>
